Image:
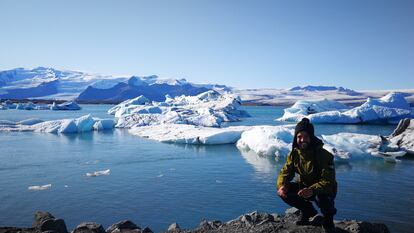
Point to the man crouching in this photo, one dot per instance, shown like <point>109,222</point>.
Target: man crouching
<point>316,177</point>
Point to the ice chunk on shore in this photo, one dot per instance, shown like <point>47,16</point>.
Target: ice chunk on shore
<point>99,173</point>
<point>40,187</point>
<point>190,134</point>
<point>267,140</point>
<point>388,109</point>
<point>206,109</point>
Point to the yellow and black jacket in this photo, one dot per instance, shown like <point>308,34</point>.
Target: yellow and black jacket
<point>315,169</point>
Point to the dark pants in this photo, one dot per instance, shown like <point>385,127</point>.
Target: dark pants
<point>324,201</point>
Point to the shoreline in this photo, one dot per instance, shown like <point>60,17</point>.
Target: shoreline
<point>251,222</point>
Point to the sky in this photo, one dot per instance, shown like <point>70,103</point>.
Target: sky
<point>243,43</point>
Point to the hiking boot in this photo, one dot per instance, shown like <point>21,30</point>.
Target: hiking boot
<point>316,220</point>
<point>304,219</point>
<point>328,224</point>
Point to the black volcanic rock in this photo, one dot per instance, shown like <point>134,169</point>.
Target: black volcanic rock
<point>44,221</point>
<point>247,223</point>
<point>89,227</point>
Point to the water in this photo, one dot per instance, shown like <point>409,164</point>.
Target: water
<point>156,184</point>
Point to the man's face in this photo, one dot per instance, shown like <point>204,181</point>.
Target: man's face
<point>303,140</point>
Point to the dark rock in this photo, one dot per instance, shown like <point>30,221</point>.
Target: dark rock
<point>89,227</point>
<point>147,230</point>
<point>17,230</point>
<point>44,221</point>
<point>123,226</point>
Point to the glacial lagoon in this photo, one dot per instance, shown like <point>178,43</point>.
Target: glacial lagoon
<point>156,184</point>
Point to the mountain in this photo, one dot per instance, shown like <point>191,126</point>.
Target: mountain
<point>325,88</point>
<point>135,87</point>
<point>50,83</point>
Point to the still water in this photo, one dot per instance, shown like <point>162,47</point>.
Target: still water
<point>156,184</point>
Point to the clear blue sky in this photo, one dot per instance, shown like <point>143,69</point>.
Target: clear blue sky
<point>247,44</point>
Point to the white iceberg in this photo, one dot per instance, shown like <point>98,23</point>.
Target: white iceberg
<point>206,109</point>
<point>303,108</point>
<point>40,187</point>
<point>277,141</point>
<point>127,106</point>
<point>267,140</point>
<point>70,105</point>
<point>99,173</point>
<point>82,124</point>
<point>103,124</point>
<point>31,121</point>
<point>345,145</point>
<point>190,134</point>
<point>388,109</point>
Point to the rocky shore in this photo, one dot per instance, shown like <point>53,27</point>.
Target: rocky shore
<point>252,222</point>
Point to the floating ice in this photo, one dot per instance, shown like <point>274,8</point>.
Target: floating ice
<point>31,106</point>
<point>345,145</point>
<point>267,140</point>
<point>40,187</point>
<point>302,108</point>
<point>206,109</point>
<point>70,105</point>
<point>103,124</point>
<point>99,173</point>
<point>190,134</point>
<point>388,109</point>
<point>82,124</point>
<point>31,121</point>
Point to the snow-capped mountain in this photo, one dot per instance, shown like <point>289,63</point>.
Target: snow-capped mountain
<point>324,88</point>
<point>49,83</point>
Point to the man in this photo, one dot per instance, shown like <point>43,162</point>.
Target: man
<point>316,177</point>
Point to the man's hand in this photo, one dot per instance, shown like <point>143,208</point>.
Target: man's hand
<point>305,193</point>
<point>282,191</point>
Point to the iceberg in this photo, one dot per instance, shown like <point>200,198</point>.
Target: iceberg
<point>277,141</point>
<point>267,140</point>
<point>208,109</point>
<point>99,173</point>
<point>70,105</point>
<point>40,187</point>
<point>388,109</point>
<point>303,108</point>
<point>64,126</point>
<point>189,134</point>
<point>31,121</point>
<point>127,106</point>
<point>103,124</point>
